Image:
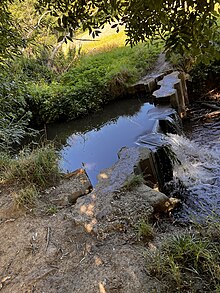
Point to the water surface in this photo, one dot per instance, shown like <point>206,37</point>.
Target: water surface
<point>93,142</point>
<point>200,170</point>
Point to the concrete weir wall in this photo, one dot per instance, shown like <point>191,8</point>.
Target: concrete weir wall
<point>97,210</point>
<point>167,88</point>
<point>173,90</point>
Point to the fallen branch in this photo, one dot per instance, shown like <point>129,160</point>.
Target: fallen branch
<point>48,237</point>
<point>208,93</point>
<point>212,114</point>
<point>211,106</point>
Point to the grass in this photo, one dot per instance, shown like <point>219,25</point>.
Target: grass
<point>106,40</point>
<point>37,167</point>
<point>92,82</point>
<point>189,262</point>
<point>145,230</point>
<point>26,197</point>
<point>5,160</point>
<point>133,182</point>
<point>29,173</point>
<point>139,57</point>
<point>52,210</point>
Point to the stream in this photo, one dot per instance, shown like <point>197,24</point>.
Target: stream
<point>93,143</point>
<point>199,153</point>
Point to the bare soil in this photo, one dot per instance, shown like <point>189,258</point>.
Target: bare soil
<point>45,252</point>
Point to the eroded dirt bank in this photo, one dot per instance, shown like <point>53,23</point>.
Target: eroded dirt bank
<point>42,252</point>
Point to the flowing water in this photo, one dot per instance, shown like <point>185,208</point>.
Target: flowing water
<point>199,170</point>
<point>93,143</point>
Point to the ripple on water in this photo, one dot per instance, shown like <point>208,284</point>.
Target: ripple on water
<point>200,170</point>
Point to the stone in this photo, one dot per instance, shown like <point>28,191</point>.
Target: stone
<point>72,186</point>
<point>172,90</point>
<point>155,199</point>
<point>109,206</point>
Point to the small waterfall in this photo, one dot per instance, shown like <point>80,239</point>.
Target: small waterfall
<point>199,172</point>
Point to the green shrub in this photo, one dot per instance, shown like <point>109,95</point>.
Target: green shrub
<point>92,82</point>
<point>204,77</point>
<point>35,69</point>
<point>13,96</point>
<point>15,114</point>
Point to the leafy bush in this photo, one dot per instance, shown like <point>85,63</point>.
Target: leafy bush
<point>12,132</point>
<point>33,69</point>
<point>204,76</point>
<point>13,96</point>
<point>95,80</point>
<point>43,65</point>
<point>14,112</point>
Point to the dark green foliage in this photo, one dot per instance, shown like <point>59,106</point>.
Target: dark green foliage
<point>204,76</point>
<point>11,41</point>
<point>12,97</point>
<point>33,69</point>
<point>14,112</point>
<point>94,81</point>
<point>185,26</point>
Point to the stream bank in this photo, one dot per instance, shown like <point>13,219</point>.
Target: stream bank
<point>94,246</point>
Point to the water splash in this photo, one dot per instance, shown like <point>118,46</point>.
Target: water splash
<point>200,173</point>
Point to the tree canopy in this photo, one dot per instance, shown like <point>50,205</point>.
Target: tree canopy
<point>184,25</point>
<point>9,36</point>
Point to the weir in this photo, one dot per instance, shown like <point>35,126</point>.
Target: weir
<point>140,136</point>
<point>170,106</point>
<point>139,143</point>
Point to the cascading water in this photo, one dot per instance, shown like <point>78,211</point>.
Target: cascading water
<point>95,142</point>
<point>199,172</point>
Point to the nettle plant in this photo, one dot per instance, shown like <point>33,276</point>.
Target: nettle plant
<point>14,114</point>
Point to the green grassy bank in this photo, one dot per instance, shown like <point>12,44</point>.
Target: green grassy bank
<point>93,81</point>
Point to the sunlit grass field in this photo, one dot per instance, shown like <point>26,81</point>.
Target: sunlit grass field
<point>107,40</point>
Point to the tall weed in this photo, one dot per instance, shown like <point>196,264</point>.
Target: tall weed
<point>188,263</point>
<point>33,167</point>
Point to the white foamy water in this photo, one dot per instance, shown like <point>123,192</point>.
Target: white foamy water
<point>199,171</point>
